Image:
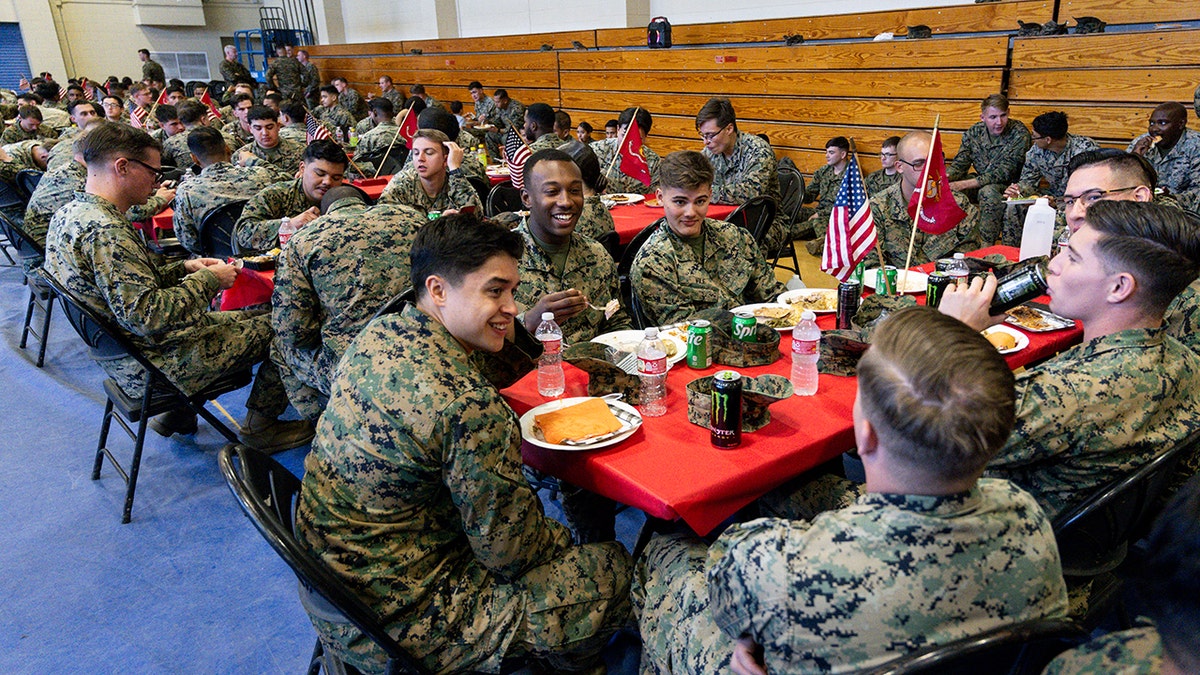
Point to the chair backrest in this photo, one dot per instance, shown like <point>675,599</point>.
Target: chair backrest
<point>482,186</point>
<point>267,493</point>
<point>791,192</point>
<point>1094,536</point>
<point>756,215</point>
<point>628,298</point>
<point>611,241</point>
<point>216,230</point>
<point>25,245</point>
<point>101,336</point>
<point>1018,648</point>
<point>10,196</point>
<point>27,181</point>
<point>503,198</point>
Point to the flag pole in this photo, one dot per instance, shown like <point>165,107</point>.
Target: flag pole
<point>621,143</point>
<point>320,121</point>
<point>878,248</point>
<point>393,143</point>
<point>519,134</point>
<point>912,237</point>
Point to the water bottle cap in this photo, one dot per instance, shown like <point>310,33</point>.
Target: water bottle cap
<point>808,315</point>
<point>1042,201</point>
<point>651,332</point>
<point>547,316</point>
<point>960,256</point>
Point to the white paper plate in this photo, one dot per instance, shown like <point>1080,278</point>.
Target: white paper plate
<point>623,198</point>
<point>757,305</point>
<point>786,298</point>
<point>1021,338</point>
<point>628,341</point>
<point>528,433</point>
<point>915,283</point>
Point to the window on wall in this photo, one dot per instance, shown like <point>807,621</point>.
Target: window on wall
<point>184,65</point>
<point>14,64</point>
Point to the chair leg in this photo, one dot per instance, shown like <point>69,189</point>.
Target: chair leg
<point>47,310</point>
<point>104,427</point>
<point>217,424</point>
<point>28,316</point>
<point>134,465</point>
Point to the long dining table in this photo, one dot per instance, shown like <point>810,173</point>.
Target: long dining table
<point>630,219</point>
<point>668,467</point>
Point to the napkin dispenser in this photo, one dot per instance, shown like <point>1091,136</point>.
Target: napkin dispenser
<point>757,393</point>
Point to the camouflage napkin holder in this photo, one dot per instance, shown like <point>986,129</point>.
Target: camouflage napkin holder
<point>603,377</point>
<point>841,349</point>
<point>757,393</point>
<point>727,351</point>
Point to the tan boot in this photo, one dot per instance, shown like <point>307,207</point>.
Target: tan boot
<point>272,435</point>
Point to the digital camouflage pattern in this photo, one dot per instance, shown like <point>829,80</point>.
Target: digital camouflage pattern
<point>163,310</point>
<point>20,157</point>
<point>294,132</point>
<point>334,117</point>
<point>595,220</point>
<point>153,71</point>
<point>287,72</point>
<point>549,141</point>
<point>283,160</point>
<point>514,114</point>
<point>619,181</point>
<point>876,182</point>
<point>333,276</point>
<point>310,79</point>
<point>893,226</point>
<point>353,102</point>
<point>414,496</point>
<point>486,111</point>
<point>258,228</point>
<point>997,161</point>
<point>233,72</point>
<point>394,96</point>
<point>218,184</point>
<point>672,284</point>
<point>377,139</point>
<point>175,148</point>
<point>364,125</point>
<point>822,189</point>
<point>825,596</point>
<point>1041,164</point>
<point>405,188</point>
<point>749,172</point>
<point>15,134</point>
<point>470,165</point>
<point>1099,411</point>
<point>1137,651</point>
<point>588,269</point>
<point>233,129</point>
<point>1179,169</point>
<point>1182,318</point>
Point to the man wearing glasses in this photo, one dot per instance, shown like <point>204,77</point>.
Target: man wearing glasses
<point>1048,159</point>
<point>995,147</point>
<point>878,181</point>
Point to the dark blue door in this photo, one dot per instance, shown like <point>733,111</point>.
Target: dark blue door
<point>13,62</point>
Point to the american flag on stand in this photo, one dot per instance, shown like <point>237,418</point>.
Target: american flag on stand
<point>88,93</point>
<point>851,234</point>
<point>316,130</point>
<point>516,153</point>
<point>137,117</point>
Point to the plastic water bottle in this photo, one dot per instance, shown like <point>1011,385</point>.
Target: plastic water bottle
<point>1038,234</point>
<point>550,371</point>
<point>806,351</point>
<point>652,371</point>
<point>958,268</point>
<point>795,283</point>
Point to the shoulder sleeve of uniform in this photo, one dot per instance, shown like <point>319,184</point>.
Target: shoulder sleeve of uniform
<point>748,572</point>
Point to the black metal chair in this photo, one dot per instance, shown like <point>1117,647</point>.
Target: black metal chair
<point>791,196</point>
<point>756,216</point>
<point>483,187</point>
<point>628,298</point>
<point>611,241</point>
<point>504,198</point>
<point>12,205</point>
<point>27,182</point>
<point>216,230</point>
<point>267,493</point>
<point>1018,649</point>
<point>105,341</point>
<point>41,296</point>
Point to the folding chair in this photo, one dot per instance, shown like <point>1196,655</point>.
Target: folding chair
<point>628,297</point>
<point>504,198</point>
<point>216,230</point>
<point>1018,649</point>
<point>40,295</point>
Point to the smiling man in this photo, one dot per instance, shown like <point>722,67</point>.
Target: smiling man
<point>1176,153</point>
<point>995,147</point>
<point>293,203</point>
<point>693,262</point>
<point>437,184</point>
<point>279,155</point>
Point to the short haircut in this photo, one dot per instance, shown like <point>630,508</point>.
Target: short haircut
<point>75,87</point>
<point>436,118</point>
<point>294,111</point>
<point>382,105</point>
<point>644,120</point>
<point>324,149</point>
<point>588,163</point>
<point>416,89</point>
<point>415,103</point>
<point>207,144</point>
<point>997,101</point>
<point>340,79</point>
<point>137,88</point>
<point>611,124</point>
<point>890,142</point>
<point>191,112</point>
<point>108,141</point>
<point>175,90</point>
<point>719,110</point>
<point>76,103</point>
<point>118,99</point>
<point>541,114</point>
<point>501,93</point>
<point>686,170</point>
<point>386,78</point>
<point>432,135</point>
<point>31,97</point>
<point>838,142</point>
<point>1127,165</point>
<point>329,89</point>
<point>238,98</point>
<point>475,84</point>
<point>166,113</point>
<point>938,394</point>
<point>452,247</point>
<point>588,127</point>
<point>1176,110</point>
<point>1052,124</point>
<point>261,112</point>
<point>144,51</point>
<point>456,107</point>
<point>1158,244</point>
<point>277,98</point>
<point>30,111</point>
<point>562,120</point>
<point>546,155</point>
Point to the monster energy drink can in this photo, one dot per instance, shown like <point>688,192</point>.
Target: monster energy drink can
<point>725,419</point>
<point>433,215</point>
<point>698,355</point>
<point>848,294</point>
<point>934,288</point>
<point>744,327</point>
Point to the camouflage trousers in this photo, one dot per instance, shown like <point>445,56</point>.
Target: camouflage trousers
<point>782,232</point>
<point>805,498</point>
<point>991,213</point>
<point>226,343</point>
<point>305,378</point>
<point>559,615</point>
<point>670,602</point>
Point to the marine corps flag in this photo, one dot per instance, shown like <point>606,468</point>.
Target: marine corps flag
<point>213,113</point>
<point>408,127</point>
<point>939,212</point>
<point>633,157</point>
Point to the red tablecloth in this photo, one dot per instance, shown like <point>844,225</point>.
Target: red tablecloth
<point>669,469</point>
<point>372,186</point>
<point>497,178</point>
<point>632,218</point>
<point>250,288</point>
<point>164,220</point>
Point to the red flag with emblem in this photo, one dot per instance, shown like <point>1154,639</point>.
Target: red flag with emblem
<point>633,155</point>
<point>408,127</point>
<point>162,98</point>
<point>213,114</point>
<point>939,212</point>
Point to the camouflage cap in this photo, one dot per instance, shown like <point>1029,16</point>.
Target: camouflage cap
<point>757,393</point>
<point>876,307</point>
<point>840,352</point>
<point>603,377</point>
<point>727,351</point>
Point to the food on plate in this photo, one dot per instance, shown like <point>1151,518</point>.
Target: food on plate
<point>817,301</point>
<point>577,422</point>
<point>777,317</point>
<point>670,348</point>
<point>653,201</point>
<point>1027,317</point>
<point>1001,340</point>
<point>620,199</point>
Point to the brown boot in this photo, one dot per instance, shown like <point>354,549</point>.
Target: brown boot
<point>272,435</point>
<point>181,421</point>
<point>815,247</point>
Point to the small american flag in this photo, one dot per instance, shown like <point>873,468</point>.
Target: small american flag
<point>516,153</point>
<point>137,117</point>
<point>89,94</point>
<point>316,130</point>
<point>851,233</point>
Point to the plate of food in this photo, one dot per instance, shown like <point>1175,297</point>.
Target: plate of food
<point>628,341</point>
<point>819,300</point>
<point>914,283</point>
<point>654,202</point>
<point>1037,320</point>
<point>623,198</point>
<point>497,170</point>
<point>778,316</point>
<point>580,423</point>
<point>1006,340</point>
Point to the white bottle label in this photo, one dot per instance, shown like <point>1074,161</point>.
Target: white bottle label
<point>804,347</point>
<point>652,366</point>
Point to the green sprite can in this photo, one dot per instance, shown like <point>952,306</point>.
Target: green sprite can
<point>433,215</point>
<point>859,270</point>
<point>745,327</point>
<point>698,355</point>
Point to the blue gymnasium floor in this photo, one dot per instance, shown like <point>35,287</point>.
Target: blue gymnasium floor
<point>188,587</point>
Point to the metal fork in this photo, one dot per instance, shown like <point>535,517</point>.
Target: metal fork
<point>629,421</point>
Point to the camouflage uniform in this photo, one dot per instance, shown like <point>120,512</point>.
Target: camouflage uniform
<point>287,72</point>
<point>233,72</point>
<point>1182,318</point>
<point>1051,166</point>
<point>549,141</point>
<point>364,125</point>
<point>889,209</point>
<point>282,161</point>
<point>217,185</point>
<point>823,189</point>
<point>233,129</point>
<point>377,140</point>
<point>514,114</point>
<point>335,117</point>
<point>15,134</point>
<point>395,97</point>
<point>1097,412</point>
<point>749,172</point>
<point>837,594</point>
<point>1131,652</point>
<point>997,161</point>
<point>414,497</point>
<point>405,188</point>
<point>595,220</point>
<point>175,148</point>
<point>876,182</point>
<point>258,228</point>
<point>310,79</point>
<point>1179,170</point>
<point>294,132</point>
<point>353,102</point>
<point>62,152</point>
<point>161,308</point>
<point>672,284</point>
<point>619,181</point>
<point>334,274</point>
<point>470,165</point>
<point>20,157</point>
<point>486,111</point>
<point>153,71</point>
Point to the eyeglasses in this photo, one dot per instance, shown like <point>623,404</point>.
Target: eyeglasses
<point>708,136</point>
<point>917,165</point>
<point>1038,138</point>
<point>158,173</point>
<point>1092,196</point>
<point>887,154</point>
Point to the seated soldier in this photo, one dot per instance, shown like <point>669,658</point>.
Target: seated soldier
<point>349,99</point>
<point>175,95</point>
<point>995,147</point>
<point>612,129</point>
<point>16,157</point>
<point>1175,155</point>
<point>440,120</point>
<point>583,132</point>
<point>332,277</point>
<point>79,112</point>
<point>894,226</point>
<point>274,101</point>
<point>837,593</point>
<point>878,181</point>
<point>615,179</point>
<point>278,155</point>
<point>693,262</point>
<point>192,115</point>
<point>562,125</point>
<point>1048,160</point>
<point>27,127</point>
<point>414,494</point>
<point>218,184</point>
<point>168,123</point>
<point>163,309</point>
<point>291,121</point>
<point>239,126</point>
<point>383,134</point>
<point>539,128</point>
<point>436,184</point>
<point>823,189</point>
<point>292,204</point>
<point>595,220</point>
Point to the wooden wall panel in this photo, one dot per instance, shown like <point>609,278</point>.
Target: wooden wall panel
<point>1107,84</point>
<point>1100,122</point>
<point>503,61</point>
<point>505,43</point>
<point>1130,11</point>
<point>356,49</point>
<point>1109,50</point>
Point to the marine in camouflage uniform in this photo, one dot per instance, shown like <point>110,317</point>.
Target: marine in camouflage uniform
<point>233,129</point>
<point>876,182</point>
<point>486,111</point>
<point>176,148</point>
<point>1130,652</point>
<point>153,71</point>
<point>1179,169</point>
<point>824,596</point>
<point>218,184</point>
<point>1099,411</point>
<point>749,172</point>
<point>405,188</point>
<point>619,181</point>
<point>889,209</point>
<point>470,164</point>
<point>258,228</point>
<point>294,132</point>
<point>1182,318</point>
<point>395,97</point>
<point>1042,164</point>
<point>549,141</point>
<point>997,161</point>
<point>287,73</point>
<point>595,220</point>
<point>310,79</point>
<point>20,157</point>
<point>362,126</point>
<point>161,308</point>
<point>673,280</point>
<point>282,161</point>
<point>377,139</point>
<point>414,497</point>
<point>334,117</point>
<point>233,72</point>
<point>15,134</point>
<point>334,275</point>
<point>353,102</point>
<point>823,189</point>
